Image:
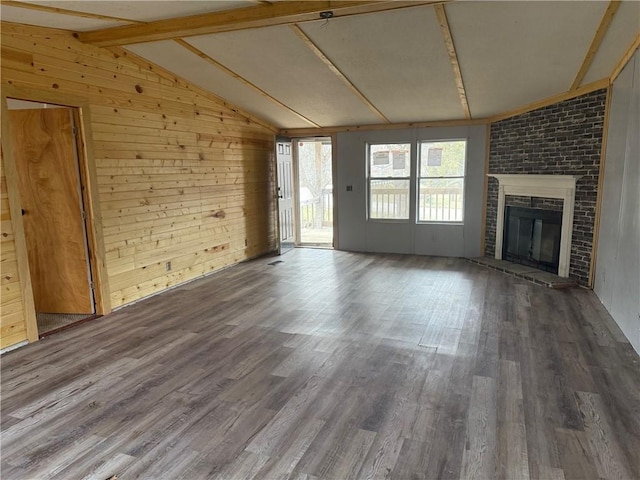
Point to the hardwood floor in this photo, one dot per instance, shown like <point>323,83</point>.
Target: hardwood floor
<point>331,365</point>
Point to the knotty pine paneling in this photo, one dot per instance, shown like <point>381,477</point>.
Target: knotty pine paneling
<point>12,324</point>
<point>182,177</point>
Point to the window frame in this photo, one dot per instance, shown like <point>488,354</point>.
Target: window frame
<point>409,179</point>
<point>419,177</point>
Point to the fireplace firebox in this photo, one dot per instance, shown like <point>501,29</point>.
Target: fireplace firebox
<point>532,237</point>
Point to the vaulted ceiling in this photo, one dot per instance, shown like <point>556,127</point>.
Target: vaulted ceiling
<point>371,62</point>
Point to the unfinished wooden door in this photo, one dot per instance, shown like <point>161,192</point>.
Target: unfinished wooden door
<point>45,153</point>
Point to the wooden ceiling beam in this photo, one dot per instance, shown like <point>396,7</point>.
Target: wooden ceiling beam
<point>263,15</point>
<point>560,97</point>
<point>311,132</point>
<point>325,131</point>
<point>240,78</point>
<point>601,31</point>
<point>320,54</point>
<point>64,11</point>
<point>453,58</point>
<point>625,58</point>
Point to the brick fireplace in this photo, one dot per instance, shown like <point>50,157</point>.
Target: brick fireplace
<point>563,139</point>
<point>544,187</point>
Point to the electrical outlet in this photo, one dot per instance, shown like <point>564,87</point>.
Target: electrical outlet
<point>167,266</point>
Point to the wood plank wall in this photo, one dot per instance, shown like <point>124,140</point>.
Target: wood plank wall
<point>12,326</point>
<point>182,177</point>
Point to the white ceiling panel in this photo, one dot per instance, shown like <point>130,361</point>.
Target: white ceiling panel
<point>511,53</point>
<point>168,54</point>
<point>278,62</point>
<point>397,59</point>
<point>515,53</point>
<point>53,20</point>
<point>145,10</point>
<point>622,31</point>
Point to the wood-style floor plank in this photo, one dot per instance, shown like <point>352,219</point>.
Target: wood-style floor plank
<point>478,461</point>
<point>331,365</point>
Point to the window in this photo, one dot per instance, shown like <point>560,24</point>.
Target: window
<point>389,181</point>
<point>441,181</point>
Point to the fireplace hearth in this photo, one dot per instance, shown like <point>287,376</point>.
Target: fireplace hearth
<point>532,237</point>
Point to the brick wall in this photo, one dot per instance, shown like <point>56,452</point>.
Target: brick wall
<point>533,202</point>
<point>560,139</point>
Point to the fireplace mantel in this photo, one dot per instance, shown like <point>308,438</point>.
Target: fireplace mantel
<point>544,186</point>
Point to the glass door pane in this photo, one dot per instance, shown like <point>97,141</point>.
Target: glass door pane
<point>315,191</point>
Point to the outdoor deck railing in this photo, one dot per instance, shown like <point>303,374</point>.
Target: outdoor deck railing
<point>310,216</point>
<point>443,204</point>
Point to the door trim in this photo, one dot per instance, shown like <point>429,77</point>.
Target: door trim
<point>296,193</point>
<point>296,190</point>
<point>86,160</point>
<point>336,190</point>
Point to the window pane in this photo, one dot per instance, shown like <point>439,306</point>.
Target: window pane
<point>390,160</point>
<point>442,159</point>
<point>389,199</point>
<point>441,200</point>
